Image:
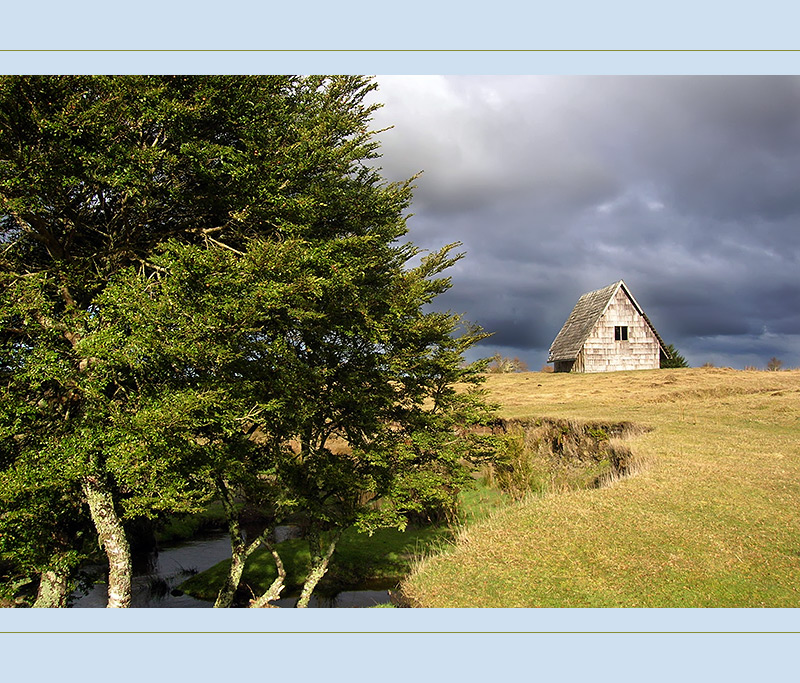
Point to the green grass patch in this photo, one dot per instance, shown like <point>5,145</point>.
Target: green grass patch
<point>360,562</point>
<point>480,502</point>
<point>186,527</point>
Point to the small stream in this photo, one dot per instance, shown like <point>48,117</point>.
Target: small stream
<point>157,574</point>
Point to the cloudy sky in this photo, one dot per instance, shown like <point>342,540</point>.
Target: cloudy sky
<point>687,188</point>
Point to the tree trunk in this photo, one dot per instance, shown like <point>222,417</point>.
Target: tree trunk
<point>231,585</point>
<point>319,565</point>
<point>53,588</point>
<point>112,539</point>
<point>240,550</point>
<point>238,556</point>
<point>274,591</point>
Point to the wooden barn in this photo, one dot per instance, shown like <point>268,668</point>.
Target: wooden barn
<point>607,331</point>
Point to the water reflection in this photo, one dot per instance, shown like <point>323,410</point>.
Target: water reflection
<point>157,574</point>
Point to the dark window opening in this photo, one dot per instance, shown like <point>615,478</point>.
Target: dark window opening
<point>621,333</point>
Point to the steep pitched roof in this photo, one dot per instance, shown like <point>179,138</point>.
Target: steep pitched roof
<point>569,341</point>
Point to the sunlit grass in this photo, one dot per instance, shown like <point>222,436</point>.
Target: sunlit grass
<point>713,519</point>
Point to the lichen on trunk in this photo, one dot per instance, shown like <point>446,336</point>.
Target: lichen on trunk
<point>113,540</point>
<point>229,588</point>
<point>319,563</point>
<point>274,591</point>
<point>53,588</point>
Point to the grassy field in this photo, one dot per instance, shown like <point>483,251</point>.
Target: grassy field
<point>713,519</point>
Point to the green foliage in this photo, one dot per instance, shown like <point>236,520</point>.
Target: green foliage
<point>97,171</point>
<point>673,359</point>
<point>518,472</point>
<point>203,290</point>
<point>597,433</point>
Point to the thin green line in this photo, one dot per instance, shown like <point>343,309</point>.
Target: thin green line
<point>416,632</point>
<point>399,50</point>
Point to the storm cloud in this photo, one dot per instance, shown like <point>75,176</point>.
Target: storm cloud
<point>685,187</point>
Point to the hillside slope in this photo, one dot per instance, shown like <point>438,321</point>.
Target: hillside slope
<point>712,521</point>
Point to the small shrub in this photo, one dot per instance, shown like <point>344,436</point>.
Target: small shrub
<point>547,368</point>
<point>517,472</point>
<point>774,364</point>
<point>597,433</point>
<point>675,359</point>
<point>502,364</point>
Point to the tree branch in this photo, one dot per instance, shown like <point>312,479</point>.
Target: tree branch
<point>224,246</point>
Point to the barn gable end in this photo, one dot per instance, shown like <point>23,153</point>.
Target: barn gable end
<point>606,331</point>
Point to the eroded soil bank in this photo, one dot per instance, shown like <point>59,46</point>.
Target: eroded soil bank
<point>546,455</point>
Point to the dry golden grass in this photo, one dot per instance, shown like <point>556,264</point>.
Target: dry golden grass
<point>712,520</point>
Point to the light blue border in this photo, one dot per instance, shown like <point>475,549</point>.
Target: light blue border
<point>412,24</point>
<point>404,657</point>
<point>404,620</point>
<point>404,62</point>
<point>402,645</point>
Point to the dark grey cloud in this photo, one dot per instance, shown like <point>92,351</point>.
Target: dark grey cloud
<point>685,187</point>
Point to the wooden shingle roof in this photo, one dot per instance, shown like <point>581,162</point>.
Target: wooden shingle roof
<point>570,340</point>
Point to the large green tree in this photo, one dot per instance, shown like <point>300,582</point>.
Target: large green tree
<point>202,285</point>
<point>310,378</point>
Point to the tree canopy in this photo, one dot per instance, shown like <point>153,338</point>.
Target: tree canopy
<point>204,290</point>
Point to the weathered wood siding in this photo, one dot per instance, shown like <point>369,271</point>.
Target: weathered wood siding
<point>602,353</point>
